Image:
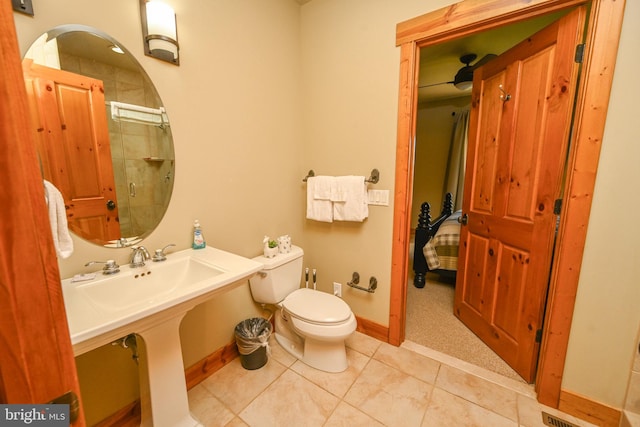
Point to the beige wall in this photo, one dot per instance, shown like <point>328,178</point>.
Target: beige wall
<point>269,90</point>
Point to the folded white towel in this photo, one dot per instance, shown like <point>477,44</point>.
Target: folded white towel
<point>353,190</point>
<point>319,208</point>
<point>323,187</point>
<point>58,219</point>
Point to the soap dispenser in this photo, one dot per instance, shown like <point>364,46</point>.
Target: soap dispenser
<point>198,238</point>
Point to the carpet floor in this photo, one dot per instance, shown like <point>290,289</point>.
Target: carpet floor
<point>431,323</point>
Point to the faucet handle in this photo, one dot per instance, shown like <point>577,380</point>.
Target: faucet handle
<point>110,266</point>
<point>159,255</point>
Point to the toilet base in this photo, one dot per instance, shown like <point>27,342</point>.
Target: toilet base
<point>327,356</point>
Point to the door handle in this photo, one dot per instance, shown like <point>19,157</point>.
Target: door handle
<point>111,205</point>
<point>463,219</point>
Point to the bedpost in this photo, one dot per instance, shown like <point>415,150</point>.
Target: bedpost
<point>423,234</point>
<point>447,206</point>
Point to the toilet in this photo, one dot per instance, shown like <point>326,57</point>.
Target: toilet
<point>311,325</point>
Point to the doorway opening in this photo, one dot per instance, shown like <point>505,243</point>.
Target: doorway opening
<point>602,38</point>
<point>429,310</point>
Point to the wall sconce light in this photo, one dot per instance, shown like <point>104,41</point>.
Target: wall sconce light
<point>159,31</point>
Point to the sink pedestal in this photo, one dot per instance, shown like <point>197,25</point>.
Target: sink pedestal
<point>163,388</point>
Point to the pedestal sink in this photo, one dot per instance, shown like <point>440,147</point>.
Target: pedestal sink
<point>151,301</point>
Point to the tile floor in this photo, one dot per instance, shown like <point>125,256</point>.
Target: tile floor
<point>384,385</point>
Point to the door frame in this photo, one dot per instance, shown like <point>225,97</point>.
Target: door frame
<point>594,88</point>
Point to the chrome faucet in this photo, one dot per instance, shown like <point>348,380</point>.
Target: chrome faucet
<point>160,255</point>
<point>110,266</point>
<point>139,256</point>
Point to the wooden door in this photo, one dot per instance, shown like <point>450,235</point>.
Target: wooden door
<point>70,123</point>
<point>36,358</point>
<point>518,136</point>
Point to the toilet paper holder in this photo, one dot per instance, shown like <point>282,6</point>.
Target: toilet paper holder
<point>355,280</point>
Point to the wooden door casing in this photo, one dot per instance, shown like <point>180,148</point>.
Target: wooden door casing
<point>518,136</point>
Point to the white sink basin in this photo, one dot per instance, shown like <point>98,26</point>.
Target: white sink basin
<point>140,287</point>
<point>111,306</point>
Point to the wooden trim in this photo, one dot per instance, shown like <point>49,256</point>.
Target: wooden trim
<point>128,416</point>
<point>405,149</point>
<point>36,361</point>
<point>472,16</point>
<point>469,17</point>
<point>589,410</point>
<point>372,329</point>
<point>206,367</point>
<point>603,34</point>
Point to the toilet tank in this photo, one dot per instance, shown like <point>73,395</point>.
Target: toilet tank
<point>278,278</point>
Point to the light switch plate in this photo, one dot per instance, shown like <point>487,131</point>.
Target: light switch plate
<point>378,197</point>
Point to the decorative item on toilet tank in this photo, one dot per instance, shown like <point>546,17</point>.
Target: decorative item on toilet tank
<point>270,247</point>
<point>284,244</point>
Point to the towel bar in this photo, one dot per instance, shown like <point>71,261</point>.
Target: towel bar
<point>373,178</point>
<point>355,279</point>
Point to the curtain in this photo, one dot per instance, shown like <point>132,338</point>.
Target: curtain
<point>456,164</point>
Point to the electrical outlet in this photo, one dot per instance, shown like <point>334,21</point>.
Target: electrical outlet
<point>337,289</point>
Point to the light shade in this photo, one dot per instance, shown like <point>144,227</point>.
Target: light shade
<point>464,85</point>
<point>159,31</point>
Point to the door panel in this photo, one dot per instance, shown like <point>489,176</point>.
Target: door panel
<point>518,133</point>
<point>70,122</point>
<point>487,157</point>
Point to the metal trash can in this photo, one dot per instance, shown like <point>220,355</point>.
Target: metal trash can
<point>252,338</point>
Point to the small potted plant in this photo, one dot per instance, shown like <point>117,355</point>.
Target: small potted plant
<point>270,247</point>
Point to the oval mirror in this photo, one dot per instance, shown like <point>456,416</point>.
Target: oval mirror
<point>103,136</point>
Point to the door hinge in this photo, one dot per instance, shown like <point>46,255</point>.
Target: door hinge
<point>539,336</point>
<point>579,53</point>
<point>71,399</point>
<point>557,206</point>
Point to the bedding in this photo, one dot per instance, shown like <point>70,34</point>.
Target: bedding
<point>441,251</point>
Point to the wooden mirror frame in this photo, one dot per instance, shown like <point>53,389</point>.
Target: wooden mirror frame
<point>602,38</point>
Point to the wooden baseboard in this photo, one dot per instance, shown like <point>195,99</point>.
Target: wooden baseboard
<point>374,330</point>
<point>201,370</point>
<point>129,416</point>
<point>589,410</point>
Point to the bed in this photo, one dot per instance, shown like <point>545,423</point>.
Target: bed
<point>436,243</point>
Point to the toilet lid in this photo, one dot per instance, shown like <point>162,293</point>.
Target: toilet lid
<point>317,307</point>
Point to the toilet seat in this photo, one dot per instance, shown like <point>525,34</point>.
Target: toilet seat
<point>315,307</point>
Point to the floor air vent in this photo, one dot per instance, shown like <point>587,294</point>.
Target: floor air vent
<point>553,421</point>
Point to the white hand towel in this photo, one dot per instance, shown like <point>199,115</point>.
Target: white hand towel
<point>58,219</point>
<point>319,208</point>
<point>323,187</point>
<point>355,207</point>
